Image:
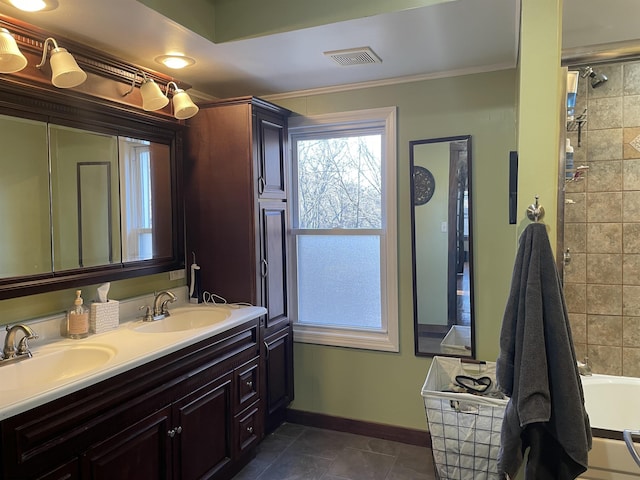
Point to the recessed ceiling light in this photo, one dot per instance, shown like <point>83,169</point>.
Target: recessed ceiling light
<point>175,61</point>
<point>33,5</point>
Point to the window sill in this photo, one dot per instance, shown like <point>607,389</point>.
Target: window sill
<point>344,337</point>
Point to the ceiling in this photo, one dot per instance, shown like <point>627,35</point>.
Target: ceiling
<point>443,38</point>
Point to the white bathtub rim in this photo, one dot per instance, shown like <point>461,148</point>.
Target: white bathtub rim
<point>603,412</point>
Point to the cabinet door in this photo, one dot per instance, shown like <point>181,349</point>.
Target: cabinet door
<point>271,148</point>
<point>140,451</point>
<point>68,471</point>
<point>279,376</point>
<point>203,423</point>
<point>273,218</point>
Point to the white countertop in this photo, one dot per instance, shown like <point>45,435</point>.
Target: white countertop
<point>125,346</point>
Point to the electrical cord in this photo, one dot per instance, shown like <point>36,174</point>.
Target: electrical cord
<point>209,298</point>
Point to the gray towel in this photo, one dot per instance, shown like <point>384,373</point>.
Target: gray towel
<point>537,370</point>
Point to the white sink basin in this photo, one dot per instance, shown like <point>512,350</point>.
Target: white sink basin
<point>53,366</point>
<point>186,318</point>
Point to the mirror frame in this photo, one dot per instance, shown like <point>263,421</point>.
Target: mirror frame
<point>451,274</point>
<point>101,116</point>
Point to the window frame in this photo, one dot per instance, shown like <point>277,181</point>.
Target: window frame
<point>386,338</point>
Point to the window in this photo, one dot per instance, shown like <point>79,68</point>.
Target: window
<point>137,216</point>
<point>343,236</point>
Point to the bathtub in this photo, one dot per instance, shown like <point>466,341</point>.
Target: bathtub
<point>613,405</point>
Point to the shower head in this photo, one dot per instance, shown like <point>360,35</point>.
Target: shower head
<point>597,79</point>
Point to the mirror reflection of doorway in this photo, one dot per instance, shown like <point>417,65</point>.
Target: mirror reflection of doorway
<point>442,246</point>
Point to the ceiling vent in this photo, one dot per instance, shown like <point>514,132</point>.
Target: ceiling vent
<point>354,56</point>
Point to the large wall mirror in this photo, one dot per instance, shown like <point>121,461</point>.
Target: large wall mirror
<point>442,242</point>
<point>81,205</point>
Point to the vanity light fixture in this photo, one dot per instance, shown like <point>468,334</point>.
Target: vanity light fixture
<point>152,96</point>
<point>32,5</point>
<point>183,106</point>
<point>175,61</point>
<point>154,99</point>
<point>65,72</point>
<point>11,58</point>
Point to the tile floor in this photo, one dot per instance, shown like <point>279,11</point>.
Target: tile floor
<point>296,452</point>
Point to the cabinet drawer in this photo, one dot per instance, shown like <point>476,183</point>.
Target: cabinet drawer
<point>249,427</point>
<point>247,382</point>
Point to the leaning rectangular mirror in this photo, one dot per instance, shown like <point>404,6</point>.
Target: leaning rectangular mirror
<point>442,242</point>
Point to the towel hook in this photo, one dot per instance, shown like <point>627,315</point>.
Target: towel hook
<point>535,211</point>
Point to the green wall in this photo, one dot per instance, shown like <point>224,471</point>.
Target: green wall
<point>385,387</point>
<point>432,245</point>
<point>34,306</point>
<point>539,91</point>
<point>229,20</point>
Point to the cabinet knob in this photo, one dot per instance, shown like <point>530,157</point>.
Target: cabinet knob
<point>261,185</point>
<point>250,429</point>
<point>265,268</point>
<point>250,383</point>
<point>172,433</point>
<point>178,429</point>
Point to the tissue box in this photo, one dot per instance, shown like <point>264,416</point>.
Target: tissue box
<point>104,316</point>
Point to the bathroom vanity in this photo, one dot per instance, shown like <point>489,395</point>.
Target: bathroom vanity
<point>143,401</point>
<point>186,405</point>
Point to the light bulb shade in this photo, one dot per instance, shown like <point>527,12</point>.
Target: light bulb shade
<point>11,59</point>
<point>65,72</point>
<point>183,106</point>
<point>152,96</point>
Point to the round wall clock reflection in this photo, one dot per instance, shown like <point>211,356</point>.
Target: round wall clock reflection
<point>423,185</point>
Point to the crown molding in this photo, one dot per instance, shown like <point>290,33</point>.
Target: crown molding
<point>388,82</point>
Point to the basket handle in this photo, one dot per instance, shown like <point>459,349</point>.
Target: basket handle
<point>473,360</point>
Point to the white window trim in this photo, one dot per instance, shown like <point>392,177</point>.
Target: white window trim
<point>385,339</point>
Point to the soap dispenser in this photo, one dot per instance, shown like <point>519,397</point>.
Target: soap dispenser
<point>78,318</point>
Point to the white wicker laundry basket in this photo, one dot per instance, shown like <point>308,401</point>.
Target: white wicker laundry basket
<point>464,427</point>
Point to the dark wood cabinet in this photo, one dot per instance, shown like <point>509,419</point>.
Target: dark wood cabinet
<point>201,430</point>
<point>235,160</point>
<point>188,440</point>
<point>278,359</point>
<point>273,243</point>
<point>68,471</point>
<point>140,451</point>
<point>236,216</point>
<point>271,139</point>
<point>193,414</point>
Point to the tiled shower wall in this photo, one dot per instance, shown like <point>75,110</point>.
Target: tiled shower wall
<point>602,224</point>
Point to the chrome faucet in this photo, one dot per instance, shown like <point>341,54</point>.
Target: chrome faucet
<point>160,309</point>
<point>10,351</point>
<point>584,368</point>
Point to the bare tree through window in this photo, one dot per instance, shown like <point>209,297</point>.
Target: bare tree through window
<point>340,182</point>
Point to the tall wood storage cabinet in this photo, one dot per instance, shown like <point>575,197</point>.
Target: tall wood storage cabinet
<point>236,222</point>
